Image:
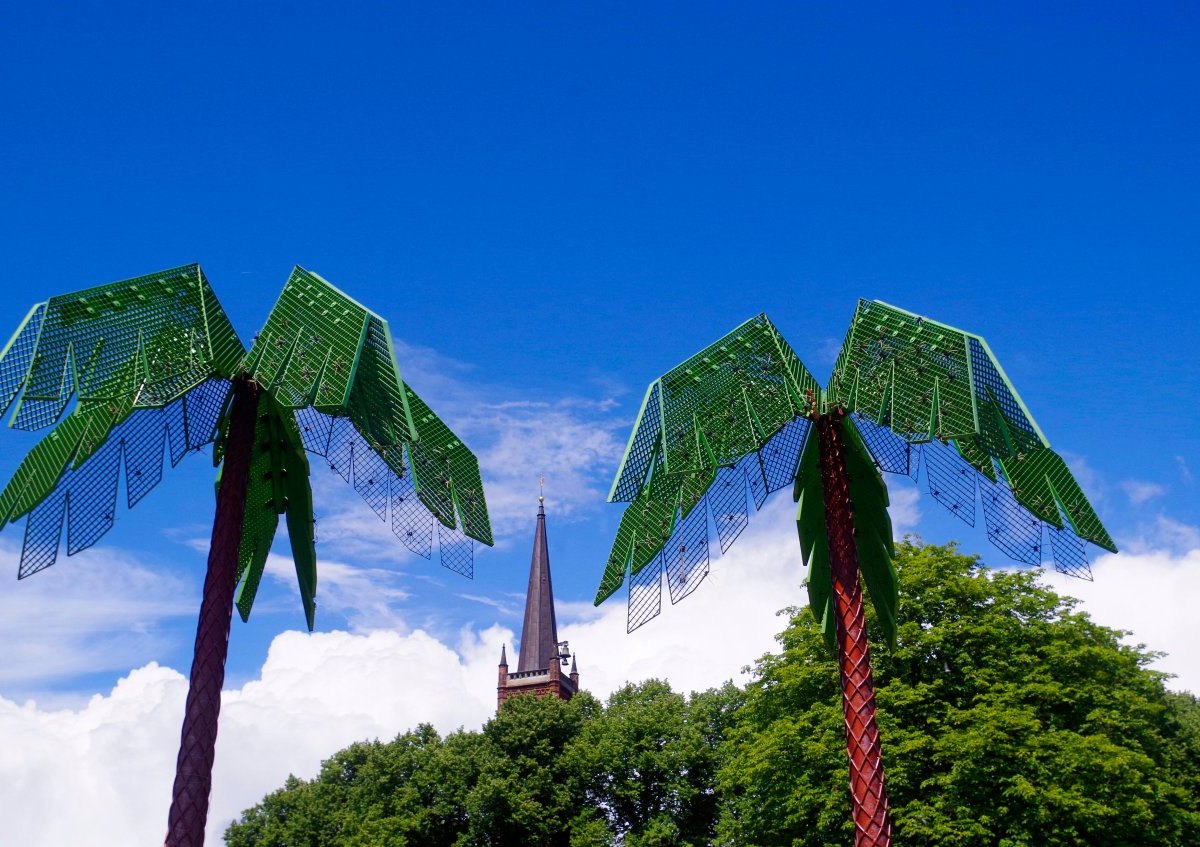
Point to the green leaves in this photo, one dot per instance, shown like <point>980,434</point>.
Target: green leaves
<point>1007,717</point>
<point>638,771</point>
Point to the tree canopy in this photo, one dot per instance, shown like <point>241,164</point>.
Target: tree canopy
<point>1008,717</point>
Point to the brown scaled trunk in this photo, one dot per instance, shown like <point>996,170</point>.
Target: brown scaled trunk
<point>197,743</point>
<point>872,824</point>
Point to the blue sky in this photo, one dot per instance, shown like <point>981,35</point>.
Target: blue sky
<point>554,203</point>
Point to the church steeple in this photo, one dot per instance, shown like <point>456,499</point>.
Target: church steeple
<point>539,664</point>
<point>539,633</point>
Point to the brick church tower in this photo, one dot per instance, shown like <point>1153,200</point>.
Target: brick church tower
<point>539,667</point>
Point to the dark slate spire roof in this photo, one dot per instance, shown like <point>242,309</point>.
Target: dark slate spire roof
<point>539,634</point>
<point>503,656</point>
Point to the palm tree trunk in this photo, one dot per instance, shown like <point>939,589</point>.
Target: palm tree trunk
<point>193,768</point>
<point>872,824</point>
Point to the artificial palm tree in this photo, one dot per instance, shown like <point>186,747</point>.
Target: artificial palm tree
<point>744,417</point>
<point>154,365</point>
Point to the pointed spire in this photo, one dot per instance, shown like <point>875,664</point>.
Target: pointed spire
<point>574,670</point>
<point>503,656</point>
<point>539,633</point>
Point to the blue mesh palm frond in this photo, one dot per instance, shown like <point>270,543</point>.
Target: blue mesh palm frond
<point>918,386</point>
<point>715,436</point>
<point>85,497</point>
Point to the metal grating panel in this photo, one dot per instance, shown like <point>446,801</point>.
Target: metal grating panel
<point>175,420</point>
<point>141,342</point>
<point>371,479</point>
<point>643,444</point>
<point>756,479</point>
<point>781,454</point>
<point>686,555</point>
<point>143,437</point>
<point>645,594</point>
<point>730,429</point>
<point>891,453</point>
<point>315,428</point>
<point>343,440</point>
<point>92,498</point>
<point>988,383</point>
<point>90,490</point>
<point>905,371</point>
<point>1010,526</point>
<point>457,552</point>
<point>17,356</point>
<point>727,499</point>
<point>204,404</point>
<point>951,480</point>
<point>1069,555</point>
<point>43,530</point>
<point>320,348</point>
<point>411,521</point>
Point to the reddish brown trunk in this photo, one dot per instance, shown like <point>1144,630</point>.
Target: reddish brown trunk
<point>193,768</point>
<point>872,824</point>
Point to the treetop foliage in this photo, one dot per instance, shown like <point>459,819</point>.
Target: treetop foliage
<point>1008,718</point>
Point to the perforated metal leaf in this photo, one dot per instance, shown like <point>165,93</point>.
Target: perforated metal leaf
<point>926,382</point>
<point>332,360</point>
<point>725,428</point>
<point>89,490</point>
<point>139,344</point>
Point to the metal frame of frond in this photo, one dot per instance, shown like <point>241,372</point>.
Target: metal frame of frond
<point>147,362</point>
<point>905,392</point>
<point>156,369</point>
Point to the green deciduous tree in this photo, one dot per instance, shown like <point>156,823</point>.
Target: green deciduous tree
<point>544,772</point>
<point>1009,718</point>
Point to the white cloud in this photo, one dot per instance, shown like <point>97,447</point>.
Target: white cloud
<point>1150,593</point>
<point>110,762</point>
<point>94,612</point>
<point>1139,491</point>
<point>905,506</point>
<point>101,775</point>
<point>368,597</point>
<point>709,636</point>
<point>1185,470</point>
<point>572,441</point>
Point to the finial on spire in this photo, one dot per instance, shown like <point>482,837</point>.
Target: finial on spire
<point>541,489</point>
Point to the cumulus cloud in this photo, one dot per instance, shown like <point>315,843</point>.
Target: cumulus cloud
<point>1140,491</point>
<point>101,775</point>
<point>101,611</point>
<point>111,762</point>
<point>1151,594</point>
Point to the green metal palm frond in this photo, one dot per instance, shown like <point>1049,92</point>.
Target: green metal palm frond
<point>724,427</point>
<point>922,389</point>
<point>148,362</point>
<point>872,533</point>
<point>331,386</point>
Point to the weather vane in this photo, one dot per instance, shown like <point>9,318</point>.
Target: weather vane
<point>744,417</point>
